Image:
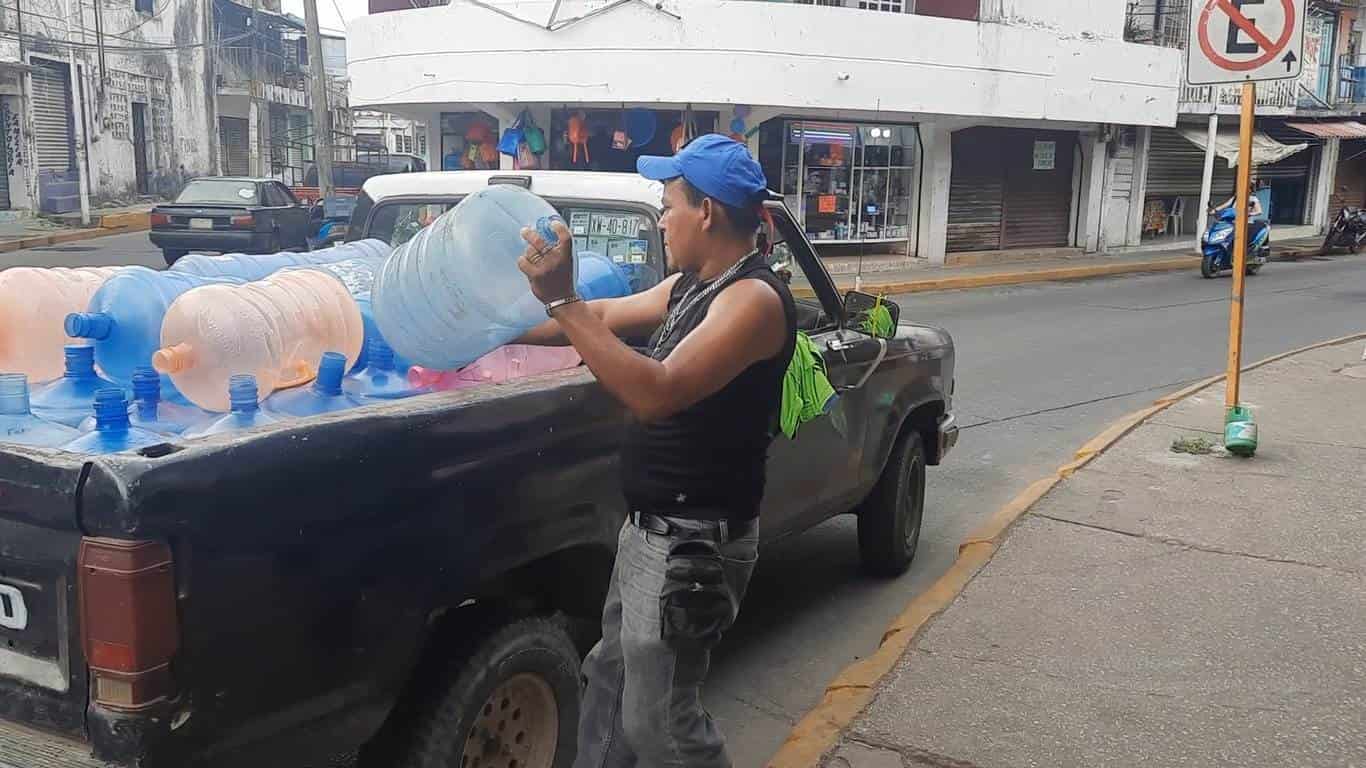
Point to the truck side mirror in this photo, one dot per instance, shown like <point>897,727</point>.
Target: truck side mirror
<point>858,304</point>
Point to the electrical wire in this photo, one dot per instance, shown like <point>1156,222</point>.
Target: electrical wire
<point>119,48</point>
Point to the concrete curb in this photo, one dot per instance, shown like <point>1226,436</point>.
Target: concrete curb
<point>113,224</point>
<point>1056,274</point>
<point>851,691</point>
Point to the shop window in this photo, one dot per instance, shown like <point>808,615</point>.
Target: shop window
<point>601,125</point>
<point>846,183</point>
<point>142,6</point>
<point>949,9</point>
<point>469,141</point>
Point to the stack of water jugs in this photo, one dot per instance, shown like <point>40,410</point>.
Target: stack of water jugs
<point>102,360</point>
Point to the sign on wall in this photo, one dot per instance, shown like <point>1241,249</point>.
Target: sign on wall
<point>1045,155</point>
<point>1235,41</point>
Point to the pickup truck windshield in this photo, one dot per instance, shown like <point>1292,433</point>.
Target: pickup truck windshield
<point>218,191</point>
<point>622,235</point>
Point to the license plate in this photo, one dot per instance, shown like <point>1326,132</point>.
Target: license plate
<point>13,612</point>
<point>201,223</point>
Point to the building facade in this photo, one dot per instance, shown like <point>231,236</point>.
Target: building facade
<point>383,132</point>
<point>112,100</point>
<point>924,128</point>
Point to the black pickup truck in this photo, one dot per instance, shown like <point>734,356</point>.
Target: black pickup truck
<point>416,581</point>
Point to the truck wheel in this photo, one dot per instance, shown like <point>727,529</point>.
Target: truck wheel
<point>889,524</point>
<point>513,702</point>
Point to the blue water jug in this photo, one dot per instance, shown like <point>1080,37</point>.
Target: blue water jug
<point>112,432</point>
<point>152,413</point>
<point>124,320</point>
<point>358,275</point>
<point>380,379</point>
<point>600,278</point>
<point>252,267</point>
<point>453,292</point>
<point>324,395</point>
<point>246,409</point>
<point>68,399</point>
<point>18,425</point>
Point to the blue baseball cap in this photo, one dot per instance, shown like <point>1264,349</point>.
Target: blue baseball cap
<point>718,166</point>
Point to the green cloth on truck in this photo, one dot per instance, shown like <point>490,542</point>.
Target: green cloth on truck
<point>806,388</point>
<point>878,321</point>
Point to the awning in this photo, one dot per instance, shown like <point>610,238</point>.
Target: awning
<point>1265,150</point>
<point>1341,129</point>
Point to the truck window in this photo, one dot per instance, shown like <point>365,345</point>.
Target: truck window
<point>626,237</point>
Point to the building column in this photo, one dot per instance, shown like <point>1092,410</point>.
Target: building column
<point>254,139</point>
<point>1207,181</point>
<point>434,158</point>
<point>1139,191</point>
<point>1091,191</point>
<point>932,225</point>
<point>1325,180</point>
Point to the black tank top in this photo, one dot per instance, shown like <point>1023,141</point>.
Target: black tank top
<point>707,461</point>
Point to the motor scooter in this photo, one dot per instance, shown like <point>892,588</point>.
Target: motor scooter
<point>1217,243</point>
<point>1348,231</point>
<point>331,217</point>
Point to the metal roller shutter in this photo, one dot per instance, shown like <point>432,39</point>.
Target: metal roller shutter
<point>52,116</point>
<point>1298,166</point>
<point>1038,203</point>
<point>1176,168</point>
<point>976,192</point>
<point>233,144</point>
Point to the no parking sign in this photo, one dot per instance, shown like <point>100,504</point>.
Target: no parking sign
<point>1235,41</point>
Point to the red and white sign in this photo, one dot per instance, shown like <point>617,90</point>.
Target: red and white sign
<point>1233,41</point>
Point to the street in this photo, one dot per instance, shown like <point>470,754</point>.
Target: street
<point>1040,369</point>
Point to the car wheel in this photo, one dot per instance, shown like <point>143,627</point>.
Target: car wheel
<point>513,701</point>
<point>890,521</point>
<point>172,257</point>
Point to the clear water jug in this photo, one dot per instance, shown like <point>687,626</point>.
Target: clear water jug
<point>18,425</point>
<point>245,410</point>
<point>113,432</point>
<point>600,277</point>
<point>380,379</point>
<point>33,303</point>
<point>68,399</point>
<point>454,292</point>
<point>275,329</point>
<point>150,412</point>
<point>509,362</point>
<point>251,267</point>
<point>124,319</point>
<point>324,395</point>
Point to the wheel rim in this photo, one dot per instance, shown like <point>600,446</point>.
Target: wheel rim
<point>913,502</point>
<point>518,726</point>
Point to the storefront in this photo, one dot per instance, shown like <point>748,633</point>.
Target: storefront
<point>469,141</point>
<point>848,183</point>
<point>1011,188</point>
<point>612,139</point>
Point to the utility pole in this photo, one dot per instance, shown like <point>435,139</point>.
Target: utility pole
<point>257,80</point>
<point>322,124</point>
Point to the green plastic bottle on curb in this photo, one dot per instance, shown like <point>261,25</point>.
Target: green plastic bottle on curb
<point>1240,432</point>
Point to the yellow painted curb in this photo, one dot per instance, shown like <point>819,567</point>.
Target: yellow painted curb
<point>963,282</point>
<point>847,695</point>
<point>134,220</point>
<point>57,238</point>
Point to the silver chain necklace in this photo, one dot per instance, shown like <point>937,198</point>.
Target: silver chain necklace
<point>689,301</point>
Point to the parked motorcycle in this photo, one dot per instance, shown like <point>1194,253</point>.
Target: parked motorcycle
<point>1348,230</point>
<point>331,217</point>
<point>1217,243</point>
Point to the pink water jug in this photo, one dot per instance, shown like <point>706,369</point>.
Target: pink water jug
<point>34,303</point>
<point>275,329</point>
<point>506,363</point>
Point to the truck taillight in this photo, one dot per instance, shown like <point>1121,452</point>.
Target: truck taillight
<point>246,221</point>
<point>159,220</point>
<point>128,620</point>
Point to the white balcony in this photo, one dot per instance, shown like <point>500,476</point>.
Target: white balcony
<point>795,58</point>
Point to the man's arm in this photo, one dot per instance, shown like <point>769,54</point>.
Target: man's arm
<point>744,325</point>
<point>635,315</point>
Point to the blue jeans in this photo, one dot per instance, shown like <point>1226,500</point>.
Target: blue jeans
<point>643,702</point>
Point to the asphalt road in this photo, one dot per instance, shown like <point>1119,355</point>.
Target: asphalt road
<point>1041,369</point>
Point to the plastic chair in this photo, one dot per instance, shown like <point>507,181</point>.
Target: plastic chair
<point>1177,216</point>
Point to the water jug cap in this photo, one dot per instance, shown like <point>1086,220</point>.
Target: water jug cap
<point>89,325</point>
<point>330,371</point>
<point>80,361</point>
<point>173,359</point>
<point>111,409</point>
<point>146,383</point>
<point>242,393</point>
<point>379,355</point>
<point>13,394</point>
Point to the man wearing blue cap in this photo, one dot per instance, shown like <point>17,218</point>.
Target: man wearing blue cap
<point>706,403</point>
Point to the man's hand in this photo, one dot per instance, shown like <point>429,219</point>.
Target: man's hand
<point>549,268</point>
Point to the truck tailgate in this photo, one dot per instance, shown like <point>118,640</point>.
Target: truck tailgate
<point>42,674</point>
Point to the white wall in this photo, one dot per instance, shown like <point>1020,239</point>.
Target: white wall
<point>1084,18</point>
<point>791,57</point>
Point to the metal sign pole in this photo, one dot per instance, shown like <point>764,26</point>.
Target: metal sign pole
<point>1240,246</point>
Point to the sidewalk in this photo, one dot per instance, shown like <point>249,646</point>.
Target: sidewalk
<point>1156,608</point>
<point>18,233</point>
<point>882,275</point>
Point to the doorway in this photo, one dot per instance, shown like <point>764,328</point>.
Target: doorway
<point>140,146</point>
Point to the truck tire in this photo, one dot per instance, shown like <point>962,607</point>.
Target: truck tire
<point>889,523</point>
<point>513,702</point>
